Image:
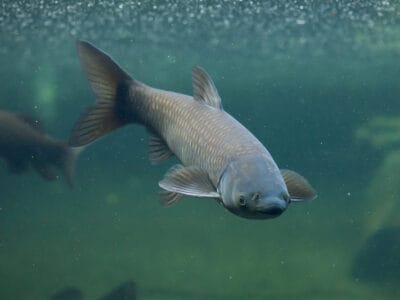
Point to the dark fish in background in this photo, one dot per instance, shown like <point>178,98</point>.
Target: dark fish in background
<point>220,158</point>
<point>125,291</point>
<point>378,260</point>
<point>24,144</point>
<point>68,293</point>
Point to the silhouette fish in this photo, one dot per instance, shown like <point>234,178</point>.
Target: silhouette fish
<point>24,144</point>
<point>220,158</point>
<point>68,293</point>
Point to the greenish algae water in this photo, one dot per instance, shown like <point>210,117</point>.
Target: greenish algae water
<point>303,77</point>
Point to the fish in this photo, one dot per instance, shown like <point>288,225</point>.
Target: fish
<point>125,291</point>
<point>219,158</point>
<point>24,145</point>
<point>68,293</point>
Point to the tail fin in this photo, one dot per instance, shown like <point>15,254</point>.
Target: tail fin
<point>68,163</point>
<point>111,85</point>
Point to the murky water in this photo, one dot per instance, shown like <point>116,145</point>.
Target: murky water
<point>318,84</point>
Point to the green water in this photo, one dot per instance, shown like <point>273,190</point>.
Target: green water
<point>303,76</point>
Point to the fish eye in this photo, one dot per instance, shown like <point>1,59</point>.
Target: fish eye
<point>242,200</point>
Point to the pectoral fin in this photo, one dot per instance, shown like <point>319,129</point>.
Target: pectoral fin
<point>298,187</point>
<point>169,198</point>
<point>190,181</point>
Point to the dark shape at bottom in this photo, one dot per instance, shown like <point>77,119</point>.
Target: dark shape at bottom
<point>378,261</point>
<point>69,293</point>
<point>125,291</point>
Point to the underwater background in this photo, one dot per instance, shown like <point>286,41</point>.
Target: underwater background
<point>317,82</point>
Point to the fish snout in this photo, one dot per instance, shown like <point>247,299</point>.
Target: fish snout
<point>272,206</point>
<point>276,210</point>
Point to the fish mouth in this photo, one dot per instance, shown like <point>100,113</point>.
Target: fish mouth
<point>270,214</point>
<point>273,210</point>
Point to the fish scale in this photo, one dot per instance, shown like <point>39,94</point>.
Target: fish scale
<point>220,158</point>
<point>196,133</point>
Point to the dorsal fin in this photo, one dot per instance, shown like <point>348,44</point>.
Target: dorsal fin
<point>204,89</point>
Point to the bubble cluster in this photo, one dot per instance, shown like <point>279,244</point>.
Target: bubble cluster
<point>237,24</point>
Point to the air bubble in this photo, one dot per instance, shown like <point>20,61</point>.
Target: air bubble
<point>261,24</point>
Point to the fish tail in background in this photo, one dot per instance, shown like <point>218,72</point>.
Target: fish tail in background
<point>68,163</point>
<point>111,86</point>
<point>59,156</point>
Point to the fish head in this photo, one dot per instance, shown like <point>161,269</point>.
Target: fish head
<point>253,187</point>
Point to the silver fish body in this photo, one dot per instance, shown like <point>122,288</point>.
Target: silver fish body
<point>220,158</point>
<point>198,134</point>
